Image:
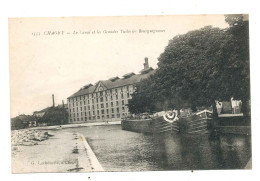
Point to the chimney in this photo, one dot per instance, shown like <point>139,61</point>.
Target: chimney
<point>63,103</point>
<point>146,64</point>
<point>53,103</point>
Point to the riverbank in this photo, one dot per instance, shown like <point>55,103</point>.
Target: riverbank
<point>61,152</point>
<point>75,125</point>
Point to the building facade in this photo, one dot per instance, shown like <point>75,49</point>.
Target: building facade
<point>106,100</point>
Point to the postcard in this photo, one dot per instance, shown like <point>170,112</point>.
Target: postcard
<point>130,93</point>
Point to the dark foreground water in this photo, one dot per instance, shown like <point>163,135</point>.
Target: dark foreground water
<point>120,150</point>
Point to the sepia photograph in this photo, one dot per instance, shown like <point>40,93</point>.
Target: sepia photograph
<point>130,93</point>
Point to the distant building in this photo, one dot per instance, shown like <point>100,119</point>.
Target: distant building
<point>106,100</point>
<point>41,112</point>
<point>65,106</point>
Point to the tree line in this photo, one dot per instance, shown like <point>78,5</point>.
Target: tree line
<point>198,68</point>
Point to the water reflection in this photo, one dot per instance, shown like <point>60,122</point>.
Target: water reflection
<point>120,150</point>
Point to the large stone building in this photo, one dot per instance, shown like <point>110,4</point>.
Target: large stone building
<point>106,100</point>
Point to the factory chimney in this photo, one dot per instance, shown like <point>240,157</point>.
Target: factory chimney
<point>146,64</point>
<point>63,103</point>
<point>53,103</point>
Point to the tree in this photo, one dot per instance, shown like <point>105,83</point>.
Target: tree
<point>55,116</point>
<point>238,50</point>
<point>198,68</point>
<point>192,65</point>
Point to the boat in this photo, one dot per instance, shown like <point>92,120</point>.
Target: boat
<point>196,123</point>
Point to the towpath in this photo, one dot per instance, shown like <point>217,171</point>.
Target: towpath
<point>63,152</point>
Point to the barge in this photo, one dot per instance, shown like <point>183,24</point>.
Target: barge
<point>197,123</point>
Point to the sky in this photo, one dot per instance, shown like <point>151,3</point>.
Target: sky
<point>60,55</point>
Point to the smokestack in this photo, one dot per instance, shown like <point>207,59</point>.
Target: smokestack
<point>63,103</point>
<point>53,103</point>
<point>146,64</point>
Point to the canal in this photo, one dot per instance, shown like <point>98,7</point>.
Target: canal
<point>120,150</point>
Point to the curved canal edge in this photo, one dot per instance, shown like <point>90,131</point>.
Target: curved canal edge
<point>96,166</point>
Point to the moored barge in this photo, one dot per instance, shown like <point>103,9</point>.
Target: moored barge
<point>197,123</point>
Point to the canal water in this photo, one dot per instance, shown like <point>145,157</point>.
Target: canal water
<point>120,150</point>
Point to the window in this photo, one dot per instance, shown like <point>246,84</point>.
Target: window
<point>98,112</point>
<point>80,108</point>
<point>117,110</point>
<point>106,104</point>
<point>93,112</point>
<point>123,108</point>
<point>97,100</point>
<point>111,97</point>
<point>85,108</point>
<point>128,95</point>
<point>107,116</point>
<point>102,105</point>
<point>113,116</point>
<point>89,118</point>
<point>117,103</point>
<point>85,113</point>
<point>112,110</point>
<point>102,111</point>
<point>116,96</point>
<point>106,99</point>
<point>86,118</point>
<point>97,106</point>
<point>112,104</point>
<point>122,96</point>
<point>118,115</point>
<point>123,102</point>
<point>101,99</point>
<point>107,111</point>
<point>93,107</point>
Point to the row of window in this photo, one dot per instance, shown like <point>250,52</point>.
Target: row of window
<point>95,117</point>
<point>97,100</point>
<point>97,106</point>
<point>102,111</point>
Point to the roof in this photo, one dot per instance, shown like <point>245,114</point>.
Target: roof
<point>111,83</point>
<point>128,75</point>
